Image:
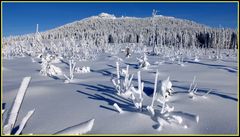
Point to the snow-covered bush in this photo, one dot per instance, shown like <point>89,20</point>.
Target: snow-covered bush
<point>123,87</point>
<point>196,58</point>
<point>166,115</point>
<point>143,62</point>
<point>47,68</point>
<point>166,88</point>
<point>161,96</point>
<point>192,91</point>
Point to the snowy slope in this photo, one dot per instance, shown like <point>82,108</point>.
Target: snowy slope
<point>59,105</point>
<point>106,28</point>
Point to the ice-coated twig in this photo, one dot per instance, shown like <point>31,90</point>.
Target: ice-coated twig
<point>118,108</point>
<point>118,73</point>
<point>193,89</point>
<point>79,129</point>
<point>205,95</point>
<point>140,85</point>
<point>24,121</point>
<point>192,84</point>
<point>66,77</point>
<point>117,82</point>
<point>16,106</point>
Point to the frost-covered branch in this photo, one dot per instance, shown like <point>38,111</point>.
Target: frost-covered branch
<point>137,94</point>
<point>72,65</point>
<point>16,105</point>
<point>24,122</point>
<point>13,115</point>
<point>118,108</point>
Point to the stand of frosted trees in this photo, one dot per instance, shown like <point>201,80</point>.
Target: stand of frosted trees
<point>93,35</point>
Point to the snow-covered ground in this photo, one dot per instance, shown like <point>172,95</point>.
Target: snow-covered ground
<point>60,105</point>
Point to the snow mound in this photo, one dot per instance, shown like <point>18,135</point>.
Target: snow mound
<point>79,129</point>
<point>106,15</point>
<point>162,16</point>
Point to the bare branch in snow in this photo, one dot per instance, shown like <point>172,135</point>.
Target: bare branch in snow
<point>16,106</point>
<point>24,122</point>
<point>118,108</point>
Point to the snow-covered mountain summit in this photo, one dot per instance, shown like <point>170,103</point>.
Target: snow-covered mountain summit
<point>106,28</point>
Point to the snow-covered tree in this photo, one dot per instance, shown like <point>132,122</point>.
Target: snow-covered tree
<point>72,65</point>
<point>143,62</point>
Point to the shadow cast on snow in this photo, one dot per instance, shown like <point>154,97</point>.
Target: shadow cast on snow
<point>204,91</point>
<point>223,67</point>
<point>108,95</point>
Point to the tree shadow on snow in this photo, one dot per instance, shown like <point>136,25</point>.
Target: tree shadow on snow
<point>133,65</point>
<point>104,72</point>
<point>111,66</point>
<point>14,130</point>
<point>108,108</point>
<point>99,87</point>
<point>108,95</point>
<point>223,67</point>
<point>187,118</point>
<point>148,91</point>
<point>110,100</point>
<point>204,91</point>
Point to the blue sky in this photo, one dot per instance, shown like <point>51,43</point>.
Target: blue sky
<point>21,18</point>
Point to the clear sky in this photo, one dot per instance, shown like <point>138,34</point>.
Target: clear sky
<point>21,18</point>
